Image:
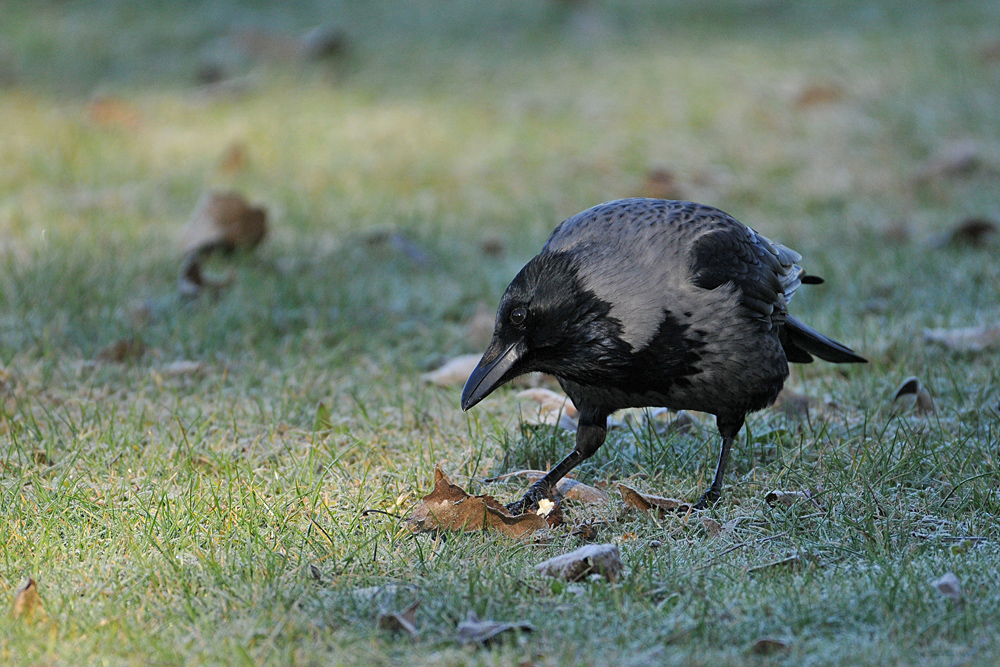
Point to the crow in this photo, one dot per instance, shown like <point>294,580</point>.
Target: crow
<point>649,302</point>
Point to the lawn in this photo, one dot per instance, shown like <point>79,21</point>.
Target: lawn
<point>214,511</point>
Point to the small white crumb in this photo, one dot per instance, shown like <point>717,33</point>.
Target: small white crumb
<point>545,506</point>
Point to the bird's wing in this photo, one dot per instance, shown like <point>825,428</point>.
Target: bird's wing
<point>642,256</point>
<point>764,272</point>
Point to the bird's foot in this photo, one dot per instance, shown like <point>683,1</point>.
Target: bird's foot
<point>529,503</point>
<point>709,498</point>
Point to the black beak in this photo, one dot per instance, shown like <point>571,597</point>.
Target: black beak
<point>491,374</point>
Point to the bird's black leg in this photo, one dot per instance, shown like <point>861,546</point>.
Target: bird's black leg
<point>729,427</point>
<point>589,438</point>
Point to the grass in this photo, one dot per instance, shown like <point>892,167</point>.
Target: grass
<point>217,517</point>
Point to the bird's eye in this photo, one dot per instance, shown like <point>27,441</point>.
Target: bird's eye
<point>518,315</point>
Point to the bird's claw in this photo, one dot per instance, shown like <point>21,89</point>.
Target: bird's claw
<point>529,502</point>
<point>707,499</point>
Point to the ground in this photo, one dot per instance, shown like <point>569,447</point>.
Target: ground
<point>213,513</point>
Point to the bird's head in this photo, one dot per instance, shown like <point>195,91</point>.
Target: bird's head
<point>547,321</point>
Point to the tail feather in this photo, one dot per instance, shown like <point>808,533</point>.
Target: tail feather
<point>801,342</point>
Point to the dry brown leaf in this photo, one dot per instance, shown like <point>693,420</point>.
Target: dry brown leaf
<point>768,646</point>
<point>474,631</point>
<point>323,42</point>
<point>794,406</point>
<point>968,339</point>
<point>646,502</point>
<point>787,498</point>
<point>819,94</point>
<point>958,158</point>
<point>492,246</point>
<point>949,586</point>
<point>28,605</point>
<point>225,221</point>
<point>113,111</point>
<point>121,351</point>
<point>453,372</point>
<point>971,232</point>
<point>449,507</point>
<point>661,184</point>
<point>402,621</point>
<point>712,527</point>
<point>602,559</point>
<point>234,157</point>
<point>915,396</point>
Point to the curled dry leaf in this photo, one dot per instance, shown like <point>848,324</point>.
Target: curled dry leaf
<point>769,646</point>
<point>949,586</point>
<point>449,507</point>
<point>711,526</point>
<point>474,631</point>
<point>967,339</point>
<point>794,406</point>
<point>453,372</point>
<point>661,183</point>
<point>323,42</point>
<point>553,408</point>
<point>914,394</point>
<point>787,498</point>
<point>224,221</point>
<point>958,158</point>
<point>121,351</point>
<point>113,111</point>
<point>602,559</point>
<point>27,602</point>
<point>402,621</point>
<point>819,94</point>
<point>234,157</point>
<point>971,232</point>
<point>646,502</point>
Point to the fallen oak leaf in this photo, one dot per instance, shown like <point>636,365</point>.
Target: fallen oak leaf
<point>646,502</point>
<point>402,621</point>
<point>602,559</point>
<point>971,232</point>
<point>474,631</point>
<point>449,507</point>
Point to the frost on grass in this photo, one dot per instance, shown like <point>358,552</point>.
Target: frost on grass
<point>449,507</point>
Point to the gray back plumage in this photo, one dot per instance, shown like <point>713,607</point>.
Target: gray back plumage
<point>646,256</point>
